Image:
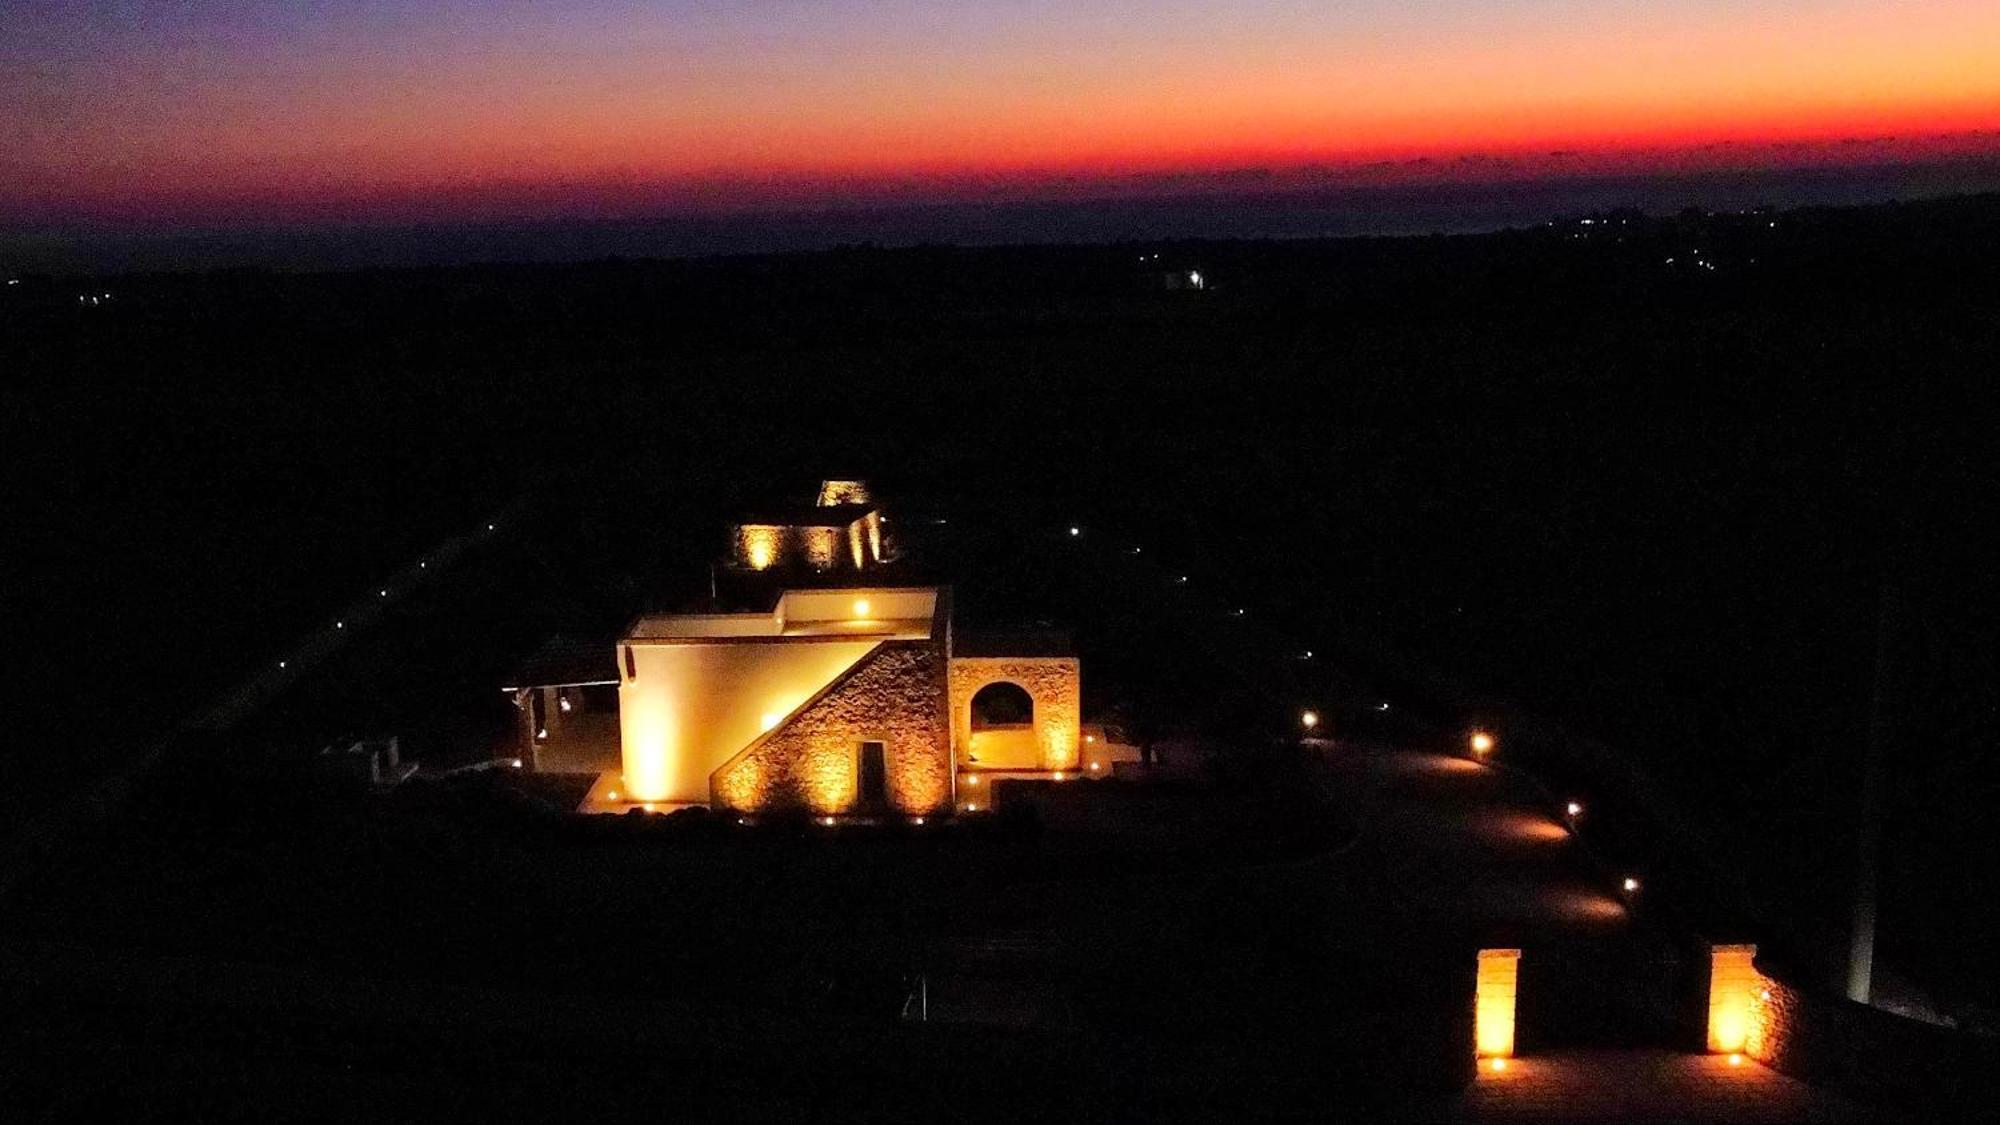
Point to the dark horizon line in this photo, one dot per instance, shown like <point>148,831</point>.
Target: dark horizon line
<point>1277,213</point>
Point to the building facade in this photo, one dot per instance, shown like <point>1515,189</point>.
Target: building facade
<point>848,694</point>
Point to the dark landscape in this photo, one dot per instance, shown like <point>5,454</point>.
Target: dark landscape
<point>1688,506</point>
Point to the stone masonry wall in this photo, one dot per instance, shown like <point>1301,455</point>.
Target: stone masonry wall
<point>1053,682</point>
<point>896,696</point>
<point>1868,1053</point>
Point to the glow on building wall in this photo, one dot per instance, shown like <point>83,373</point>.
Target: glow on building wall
<point>651,741</point>
<point>831,774</point>
<point>822,547</point>
<point>740,786</point>
<point>833,492</point>
<point>760,545</point>
<point>1059,745</point>
<point>1494,995</point>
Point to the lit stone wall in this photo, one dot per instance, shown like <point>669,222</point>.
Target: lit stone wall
<point>1494,994</point>
<point>823,546</point>
<point>1053,682</point>
<point>1926,1071</point>
<point>832,492</point>
<point>895,696</point>
<point>759,546</point>
<point>1736,992</point>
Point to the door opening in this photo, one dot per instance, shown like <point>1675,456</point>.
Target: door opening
<point>874,792</point>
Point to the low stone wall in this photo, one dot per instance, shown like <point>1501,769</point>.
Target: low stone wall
<point>1877,1055</point>
<point>1861,1051</point>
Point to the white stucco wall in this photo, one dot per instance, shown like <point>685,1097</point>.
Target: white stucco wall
<point>690,707</point>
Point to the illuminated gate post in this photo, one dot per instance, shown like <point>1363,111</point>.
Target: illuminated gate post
<point>1493,1005</point>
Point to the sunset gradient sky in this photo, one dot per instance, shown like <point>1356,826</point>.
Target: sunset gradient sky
<point>138,110</point>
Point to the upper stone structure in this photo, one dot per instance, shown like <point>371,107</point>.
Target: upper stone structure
<point>840,531</point>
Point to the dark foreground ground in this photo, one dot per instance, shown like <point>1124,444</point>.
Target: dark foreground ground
<point>462,949</point>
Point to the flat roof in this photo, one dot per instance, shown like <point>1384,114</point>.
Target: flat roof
<point>885,612</point>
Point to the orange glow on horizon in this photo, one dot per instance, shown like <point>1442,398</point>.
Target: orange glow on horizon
<point>615,114</point>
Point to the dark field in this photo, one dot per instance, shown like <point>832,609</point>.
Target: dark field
<point>1546,476</point>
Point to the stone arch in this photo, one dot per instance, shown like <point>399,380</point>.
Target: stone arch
<point>1051,684</point>
<point>1002,703</point>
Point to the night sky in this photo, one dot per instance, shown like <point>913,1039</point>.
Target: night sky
<point>161,113</point>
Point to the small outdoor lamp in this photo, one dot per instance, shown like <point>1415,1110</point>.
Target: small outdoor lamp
<point>1482,743</point>
<point>1573,812</point>
<point>1630,886</point>
<point>1309,719</point>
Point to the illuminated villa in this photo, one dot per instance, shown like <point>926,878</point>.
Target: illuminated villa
<point>842,694</point>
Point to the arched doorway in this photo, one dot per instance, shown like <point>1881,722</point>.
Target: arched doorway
<point>1003,728</point>
<point>1002,704</point>
<point>984,736</point>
